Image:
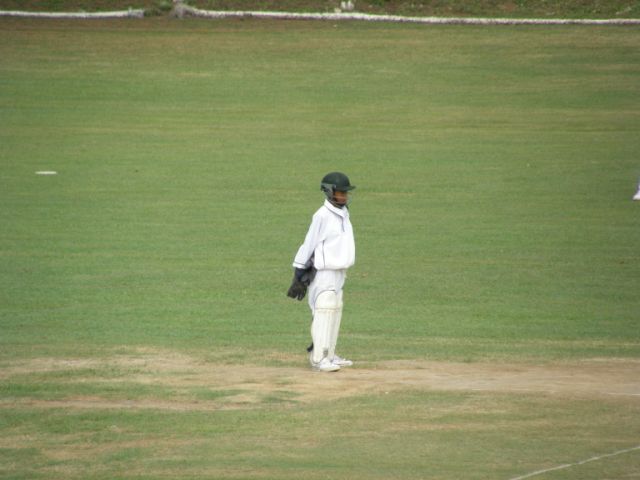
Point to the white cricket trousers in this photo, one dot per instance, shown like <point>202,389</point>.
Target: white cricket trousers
<point>326,280</point>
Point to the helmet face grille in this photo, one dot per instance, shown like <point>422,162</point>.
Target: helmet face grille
<point>327,187</point>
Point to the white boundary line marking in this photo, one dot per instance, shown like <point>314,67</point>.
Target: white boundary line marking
<point>568,465</point>
<point>119,14</point>
<point>182,9</point>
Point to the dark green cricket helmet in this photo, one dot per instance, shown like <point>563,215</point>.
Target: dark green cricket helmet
<point>336,182</point>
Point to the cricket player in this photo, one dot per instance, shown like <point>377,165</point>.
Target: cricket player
<point>321,265</point>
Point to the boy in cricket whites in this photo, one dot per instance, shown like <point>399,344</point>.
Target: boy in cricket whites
<point>321,265</point>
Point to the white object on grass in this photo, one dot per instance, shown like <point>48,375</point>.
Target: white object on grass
<point>347,6</point>
<point>46,172</point>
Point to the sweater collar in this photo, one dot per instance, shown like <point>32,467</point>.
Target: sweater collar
<point>343,212</point>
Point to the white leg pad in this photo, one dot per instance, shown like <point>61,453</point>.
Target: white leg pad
<point>335,329</point>
<point>326,314</point>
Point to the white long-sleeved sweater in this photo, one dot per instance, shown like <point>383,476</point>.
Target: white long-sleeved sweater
<point>329,243</point>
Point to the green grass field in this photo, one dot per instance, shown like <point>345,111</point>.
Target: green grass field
<point>144,327</point>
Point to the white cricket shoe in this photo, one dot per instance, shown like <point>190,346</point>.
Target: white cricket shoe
<point>341,362</point>
<point>325,365</point>
<point>637,195</point>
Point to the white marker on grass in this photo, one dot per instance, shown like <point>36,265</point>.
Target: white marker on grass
<point>46,172</point>
<point>582,462</point>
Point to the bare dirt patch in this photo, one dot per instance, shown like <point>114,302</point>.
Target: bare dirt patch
<point>205,385</point>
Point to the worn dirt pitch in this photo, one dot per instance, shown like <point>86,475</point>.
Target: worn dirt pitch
<point>249,386</point>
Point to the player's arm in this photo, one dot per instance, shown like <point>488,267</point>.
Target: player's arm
<point>304,272</point>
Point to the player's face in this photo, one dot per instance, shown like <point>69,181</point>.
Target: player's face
<point>340,197</point>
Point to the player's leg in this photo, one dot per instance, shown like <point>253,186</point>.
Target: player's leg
<point>325,316</point>
<point>335,332</point>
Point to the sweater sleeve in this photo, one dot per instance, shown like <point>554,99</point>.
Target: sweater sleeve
<point>305,252</point>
